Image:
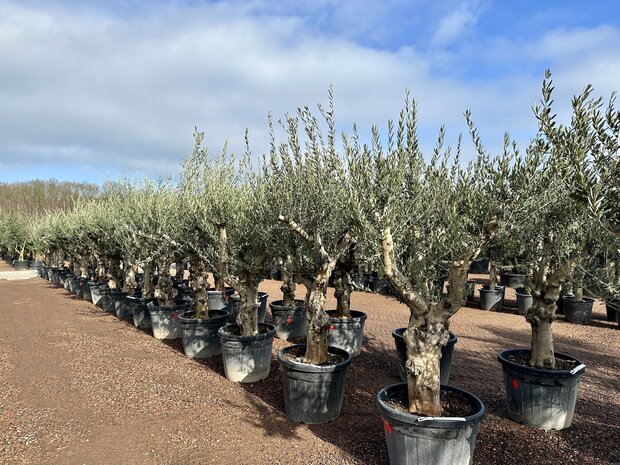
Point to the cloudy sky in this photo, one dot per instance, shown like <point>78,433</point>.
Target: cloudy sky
<point>90,90</point>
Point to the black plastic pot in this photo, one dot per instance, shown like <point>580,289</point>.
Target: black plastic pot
<point>247,359</point>
<point>164,320</point>
<point>22,265</point>
<point>512,280</point>
<point>417,440</point>
<point>491,299</point>
<point>479,266</point>
<point>218,300</point>
<point>347,333</point>
<point>538,397</point>
<point>104,296</point>
<point>236,305</point>
<point>524,301</point>
<point>559,305</point>
<point>612,306</point>
<point>140,311</point>
<point>200,338</point>
<point>120,305</point>
<point>578,311</point>
<point>313,394</point>
<point>289,322</point>
<point>444,364</point>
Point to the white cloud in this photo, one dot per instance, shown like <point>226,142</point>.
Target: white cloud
<point>452,26</point>
<point>89,87</point>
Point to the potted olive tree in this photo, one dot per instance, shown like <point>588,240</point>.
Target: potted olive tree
<point>314,214</point>
<point>16,237</point>
<point>541,384</point>
<point>228,207</point>
<point>593,177</point>
<point>420,215</point>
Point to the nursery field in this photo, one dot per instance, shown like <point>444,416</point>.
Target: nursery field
<point>79,386</point>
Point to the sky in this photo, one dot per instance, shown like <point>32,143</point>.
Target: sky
<point>93,90</point>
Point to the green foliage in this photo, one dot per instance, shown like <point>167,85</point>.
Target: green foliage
<point>437,211</point>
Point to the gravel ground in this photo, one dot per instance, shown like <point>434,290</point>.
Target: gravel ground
<point>78,386</point>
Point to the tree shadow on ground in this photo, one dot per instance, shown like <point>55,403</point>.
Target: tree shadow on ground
<point>358,430</point>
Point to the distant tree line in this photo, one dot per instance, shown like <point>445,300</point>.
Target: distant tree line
<point>33,198</point>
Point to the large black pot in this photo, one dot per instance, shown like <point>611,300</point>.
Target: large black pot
<point>539,397</point>
<point>444,364</point>
<point>578,311</point>
<point>289,322</point>
<point>313,394</point>
<point>347,333</point>
<point>22,265</point>
<point>513,280</point>
<point>479,266</point>
<point>140,311</point>
<point>491,299</point>
<point>164,320</point>
<point>524,302</point>
<point>417,440</point>
<point>247,359</point>
<point>200,338</point>
<point>612,306</point>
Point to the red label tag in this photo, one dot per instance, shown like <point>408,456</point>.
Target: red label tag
<point>175,315</point>
<point>289,320</point>
<point>331,328</point>
<point>388,428</point>
<point>515,384</point>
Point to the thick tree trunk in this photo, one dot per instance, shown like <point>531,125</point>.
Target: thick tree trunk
<point>424,342</point>
<point>493,276</point>
<point>342,282</point>
<point>218,275</point>
<point>248,311</point>
<point>101,274</point>
<point>316,318</point>
<point>147,284</point>
<point>288,283</point>
<point>129,284</point>
<point>115,273</point>
<point>578,293</point>
<point>540,316</point>
<point>164,292</point>
<point>342,293</point>
<point>200,285</point>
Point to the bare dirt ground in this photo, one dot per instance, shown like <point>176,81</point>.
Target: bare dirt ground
<point>78,386</point>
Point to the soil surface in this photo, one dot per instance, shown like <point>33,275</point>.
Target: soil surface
<point>79,386</point>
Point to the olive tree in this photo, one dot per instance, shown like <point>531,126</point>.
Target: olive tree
<point>593,173</point>
<point>228,206</point>
<point>423,217</point>
<point>311,200</point>
<point>551,224</point>
<point>16,233</point>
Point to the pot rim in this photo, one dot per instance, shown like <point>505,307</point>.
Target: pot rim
<point>218,315</point>
<point>309,368</point>
<point>431,422</point>
<point>225,335</point>
<point>542,372</point>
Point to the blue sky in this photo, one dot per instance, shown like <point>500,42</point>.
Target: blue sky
<point>90,90</point>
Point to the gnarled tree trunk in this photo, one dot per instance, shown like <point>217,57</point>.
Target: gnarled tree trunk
<point>247,318</point>
<point>316,318</point>
<point>218,275</point>
<point>288,283</point>
<point>164,292</point>
<point>147,284</point>
<point>200,285</point>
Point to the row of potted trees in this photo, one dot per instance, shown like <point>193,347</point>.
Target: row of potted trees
<point>317,212</point>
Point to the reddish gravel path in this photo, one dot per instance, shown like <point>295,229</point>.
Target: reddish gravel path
<point>79,386</point>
